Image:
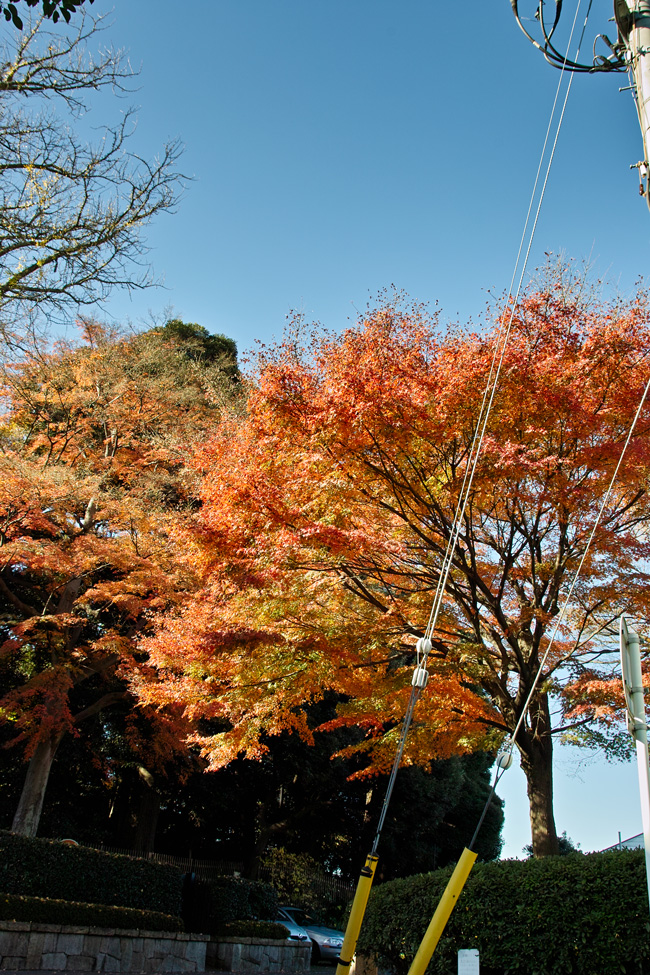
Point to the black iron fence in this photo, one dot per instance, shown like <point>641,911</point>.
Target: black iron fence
<point>325,884</point>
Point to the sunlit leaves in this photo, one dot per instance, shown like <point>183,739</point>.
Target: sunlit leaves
<point>326,512</point>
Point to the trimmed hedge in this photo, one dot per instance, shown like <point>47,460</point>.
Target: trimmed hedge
<point>47,868</point>
<point>14,907</point>
<point>254,929</point>
<point>570,915</point>
<point>209,904</point>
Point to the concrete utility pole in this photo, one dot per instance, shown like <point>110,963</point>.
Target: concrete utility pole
<point>633,22</point>
<point>637,725</point>
<point>630,52</point>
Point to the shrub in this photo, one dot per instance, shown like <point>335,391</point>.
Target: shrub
<point>292,876</point>
<point>262,900</point>
<point>253,929</point>
<point>577,914</point>
<point>299,880</point>
<point>208,904</point>
<point>47,868</point>
<point>14,907</point>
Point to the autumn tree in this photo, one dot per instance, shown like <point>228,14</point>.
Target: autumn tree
<point>72,212</point>
<point>93,477</point>
<point>304,798</point>
<point>326,512</point>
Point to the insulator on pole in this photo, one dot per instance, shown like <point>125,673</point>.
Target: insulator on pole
<point>420,677</point>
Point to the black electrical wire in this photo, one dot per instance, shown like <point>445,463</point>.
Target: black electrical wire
<point>617,62</point>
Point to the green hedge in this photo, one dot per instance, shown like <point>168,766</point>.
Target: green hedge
<point>209,904</point>
<point>47,868</point>
<point>569,915</point>
<point>14,907</point>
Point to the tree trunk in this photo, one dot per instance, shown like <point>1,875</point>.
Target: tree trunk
<point>30,805</point>
<point>536,750</point>
<point>148,810</point>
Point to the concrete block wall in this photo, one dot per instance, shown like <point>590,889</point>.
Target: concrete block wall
<point>34,947</point>
<point>244,955</point>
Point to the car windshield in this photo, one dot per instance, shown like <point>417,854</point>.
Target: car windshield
<point>299,916</point>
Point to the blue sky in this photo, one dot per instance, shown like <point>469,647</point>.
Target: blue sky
<point>339,148</point>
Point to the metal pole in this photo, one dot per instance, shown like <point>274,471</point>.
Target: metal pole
<point>356,915</point>
<point>636,723</point>
<point>443,912</point>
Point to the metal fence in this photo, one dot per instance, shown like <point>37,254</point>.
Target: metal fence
<point>325,884</point>
<point>203,868</point>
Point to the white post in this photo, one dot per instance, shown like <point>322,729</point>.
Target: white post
<point>636,723</point>
<point>468,961</point>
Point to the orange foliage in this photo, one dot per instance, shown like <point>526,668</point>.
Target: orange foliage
<point>92,479</point>
<point>327,509</point>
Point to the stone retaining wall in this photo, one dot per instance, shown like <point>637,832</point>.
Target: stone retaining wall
<point>33,946</point>
<point>258,955</point>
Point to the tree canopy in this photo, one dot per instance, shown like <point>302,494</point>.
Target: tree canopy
<point>326,510</point>
<point>93,440</point>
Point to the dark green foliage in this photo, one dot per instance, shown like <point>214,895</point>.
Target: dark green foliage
<point>565,845</point>
<point>301,798</point>
<point>46,868</point>
<point>209,904</point>
<point>49,8</point>
<point>200,345</point>
<point>571,915</point>
<point>254,929</point>
<point>433,815</point>
<point>14,907</point>
<point>292,876</point>
<point>78,798</point>
<point>263,899</point>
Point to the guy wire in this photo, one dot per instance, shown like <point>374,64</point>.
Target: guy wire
<point>475,449</point>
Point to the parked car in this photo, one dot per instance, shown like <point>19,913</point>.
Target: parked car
<point>296,933</point>
<point>326,942</point>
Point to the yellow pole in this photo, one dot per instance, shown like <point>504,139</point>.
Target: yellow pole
<point>443,912</point>
<point>356,914</point>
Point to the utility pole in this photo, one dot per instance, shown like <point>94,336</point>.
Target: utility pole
<point>629,51</point>
<point>637,725</point>
<point>633,21</point>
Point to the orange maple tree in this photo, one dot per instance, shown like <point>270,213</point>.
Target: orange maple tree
<point>326,512</point>
<point>92,479</point>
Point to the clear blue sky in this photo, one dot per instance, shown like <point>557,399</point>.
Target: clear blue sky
<point>338,148</point>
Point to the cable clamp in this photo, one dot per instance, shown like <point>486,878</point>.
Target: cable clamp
<point>643,176</point>
<point>420,677</point>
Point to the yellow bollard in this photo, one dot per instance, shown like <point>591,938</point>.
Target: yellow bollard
<point>356,915</point>
<point>443,912</point>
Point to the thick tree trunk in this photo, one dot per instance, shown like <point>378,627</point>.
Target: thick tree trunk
<point>148,811</point>
<point>536,752</point>
<point>30,805</point>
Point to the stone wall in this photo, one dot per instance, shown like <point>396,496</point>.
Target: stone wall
<point>258,955</point>
<point>33,946</point>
